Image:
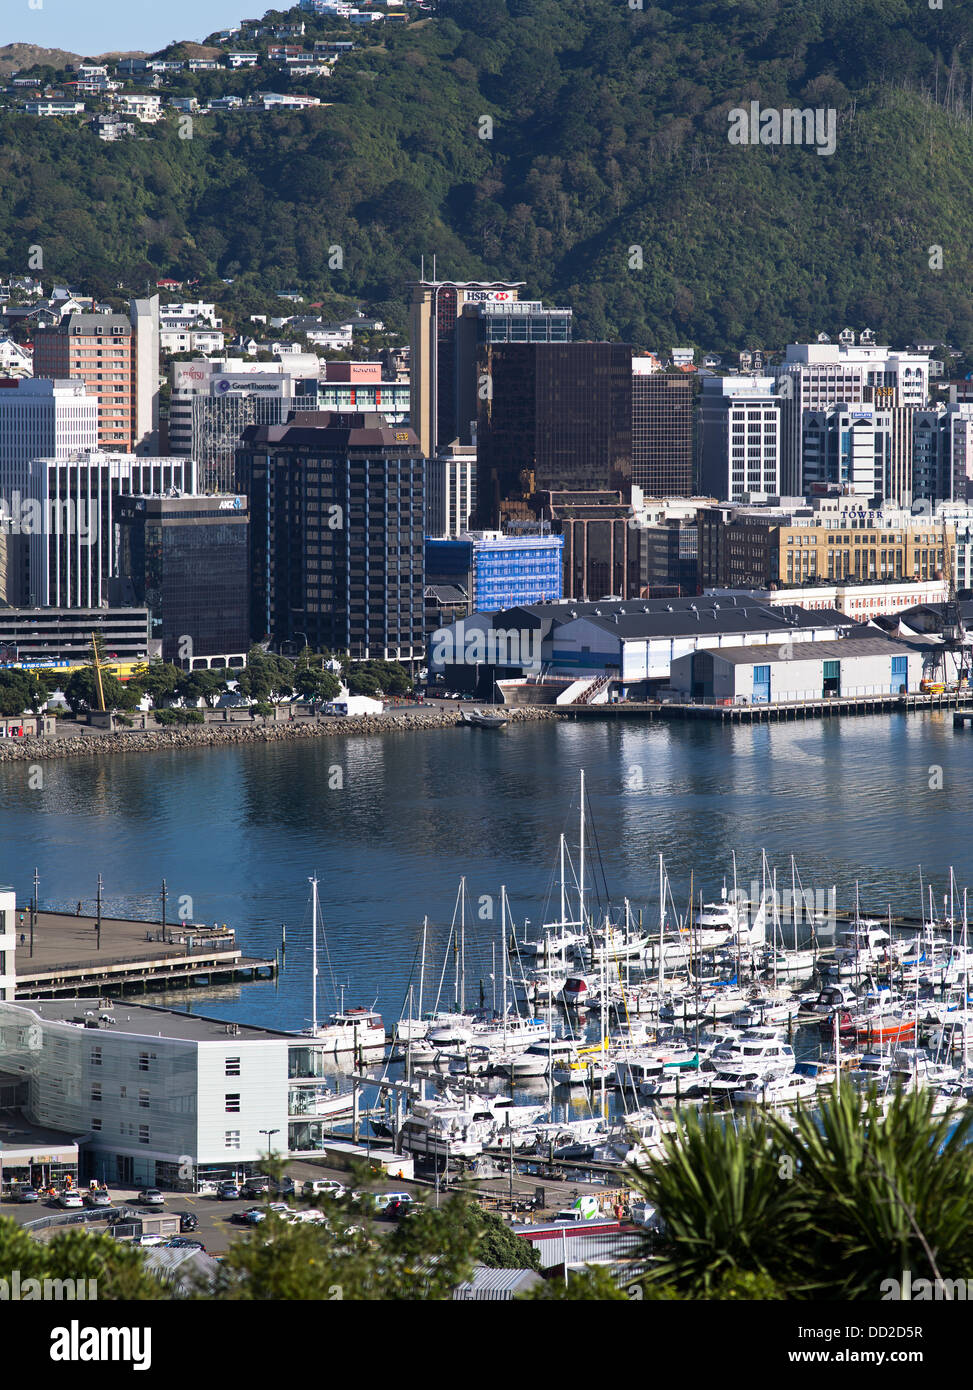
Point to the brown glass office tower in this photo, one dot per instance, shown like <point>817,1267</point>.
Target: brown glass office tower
<point>662,434</point>
<point>552,417</point>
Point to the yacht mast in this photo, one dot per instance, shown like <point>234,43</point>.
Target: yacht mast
<point>314,955</point>
<point>581,872</point>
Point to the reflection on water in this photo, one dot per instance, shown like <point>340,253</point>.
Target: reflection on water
<point>235,833</point>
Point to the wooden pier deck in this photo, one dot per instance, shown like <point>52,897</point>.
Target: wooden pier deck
<point>834,707</point>
<point>66,954</point>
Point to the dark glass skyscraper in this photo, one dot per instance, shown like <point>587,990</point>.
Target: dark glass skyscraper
<point>552,417</point>
<point>186,559</point>
<point>337,512</point>
<point>662,434</point>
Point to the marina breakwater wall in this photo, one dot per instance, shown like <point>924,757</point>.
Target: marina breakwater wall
<point>95,744</point>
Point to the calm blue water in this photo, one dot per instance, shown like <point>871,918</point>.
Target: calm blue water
<point>239,831</point>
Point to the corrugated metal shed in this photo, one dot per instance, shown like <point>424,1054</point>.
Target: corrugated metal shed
<point>493,1284</point>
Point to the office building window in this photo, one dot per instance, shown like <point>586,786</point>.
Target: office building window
<point>232,1138</point>
<point>233,1066</point>
<point>233,1104</point>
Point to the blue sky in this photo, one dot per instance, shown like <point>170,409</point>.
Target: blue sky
<point>104,26</point>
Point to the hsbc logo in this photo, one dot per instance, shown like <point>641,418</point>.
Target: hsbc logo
<point>488,297</point>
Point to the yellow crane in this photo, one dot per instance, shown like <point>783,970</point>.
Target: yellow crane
<point>96,663</point>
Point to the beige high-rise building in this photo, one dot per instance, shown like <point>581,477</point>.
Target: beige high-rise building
<point>433,311</point>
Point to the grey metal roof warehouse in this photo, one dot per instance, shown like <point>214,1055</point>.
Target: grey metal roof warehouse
<point>810,651</point>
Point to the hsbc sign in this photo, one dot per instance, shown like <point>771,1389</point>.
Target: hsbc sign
<point>489,297</point>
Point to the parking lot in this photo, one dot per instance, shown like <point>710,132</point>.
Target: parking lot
<point>216,1228</point>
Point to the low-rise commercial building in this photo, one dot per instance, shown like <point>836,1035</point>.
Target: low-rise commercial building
<point>789,671</point>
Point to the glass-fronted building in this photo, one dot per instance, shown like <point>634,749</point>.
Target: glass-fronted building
<point>551,417</point>
<point>187,560</point>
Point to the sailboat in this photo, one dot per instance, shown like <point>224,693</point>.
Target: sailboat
<point>355,1031</point>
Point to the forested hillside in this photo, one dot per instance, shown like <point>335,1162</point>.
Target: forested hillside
<point>609,132</point>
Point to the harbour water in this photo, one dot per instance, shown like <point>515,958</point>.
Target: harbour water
<point>389,824</point>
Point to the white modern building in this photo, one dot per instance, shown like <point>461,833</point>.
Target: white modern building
<point>38,418</point>
<point>160,1098</point>
<point>144,106</point>
<point>798,671</point>
<point>203,340</point>
<point>217,378</point>
<point>814,376</point>
<point>451,490</point>
<point>740,425</point>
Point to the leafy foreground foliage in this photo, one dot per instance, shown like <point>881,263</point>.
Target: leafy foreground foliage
<point>827,1210</point>
<point>117,1269</point>
<point>609,132</point>
<point>423,1257</point>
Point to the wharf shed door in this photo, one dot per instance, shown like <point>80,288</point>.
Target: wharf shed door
<point>761,685</point>
<point>832,678</point>
<point>900,673</point>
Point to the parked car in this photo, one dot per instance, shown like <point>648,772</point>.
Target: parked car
<point>250,1217</point>
<point>383,1200</point>
<point>402,1206</point>
<point>98,1197</point>
<point>177,1243</point>
<point>324,1187</point>
<point>256,1187</point>
<point>187,1221</point>
<point>149,1240</point>
<point>151,1197</point>
<point>70,1197</point>
<point>229,1192</point>
<point>26,1194</point>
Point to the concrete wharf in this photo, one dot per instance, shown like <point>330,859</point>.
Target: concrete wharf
<point>61,953</point>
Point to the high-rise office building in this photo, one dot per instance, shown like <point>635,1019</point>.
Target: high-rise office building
<point>496,317</point>
<point>336,533</point>
<point>187,561</point>
<point>814,376</point>
<point>554,417</point>
<point>435,307</point>
<point>117,357</point>
<point>662,431</point>
<point>860,450</point>
<point>73,551</point>
<point>740,436</point>
<point>39,418</point>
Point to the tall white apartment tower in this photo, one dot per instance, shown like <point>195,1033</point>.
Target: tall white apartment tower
<point>814,376</point>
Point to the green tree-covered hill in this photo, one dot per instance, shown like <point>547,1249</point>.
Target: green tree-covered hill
<point>608,182</point>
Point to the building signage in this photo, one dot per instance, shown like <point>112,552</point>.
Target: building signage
<point>231,504</point>
<point>489,296</point>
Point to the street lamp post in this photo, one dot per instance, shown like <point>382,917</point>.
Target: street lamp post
<point>269,1133</point>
